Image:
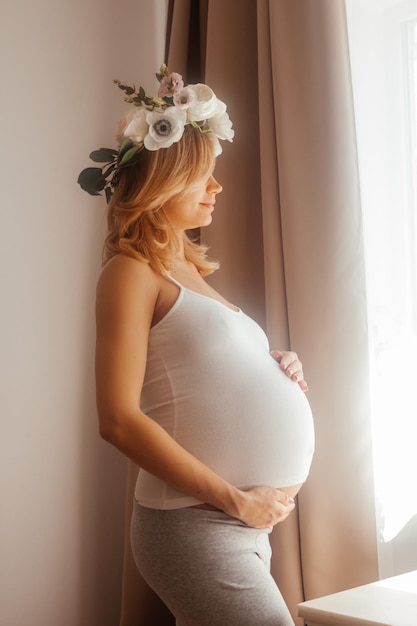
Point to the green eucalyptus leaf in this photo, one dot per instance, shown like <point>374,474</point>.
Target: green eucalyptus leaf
<point>90,180</point>
<point>126,88</point>
<point>128,156</point>
<point>109,193</point>
<point>103,155</point>
<point>126,145</point>
<point>102,182</point>
<point>141,93</point>
<point>109,170</point>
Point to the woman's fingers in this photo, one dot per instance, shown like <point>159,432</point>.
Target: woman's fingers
<point>291,365</point>
<point>265,506</point>
<point>283,511</point>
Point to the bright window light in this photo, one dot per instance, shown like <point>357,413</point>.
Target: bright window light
<point>383,47</point>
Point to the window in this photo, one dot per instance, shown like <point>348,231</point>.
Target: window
<point>383,47</point>
<point>409,37</point>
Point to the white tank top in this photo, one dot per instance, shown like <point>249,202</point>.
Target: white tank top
<point>211,383</point>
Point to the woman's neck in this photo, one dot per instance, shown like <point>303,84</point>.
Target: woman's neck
<point>180,266</point>
<point>180,254</point>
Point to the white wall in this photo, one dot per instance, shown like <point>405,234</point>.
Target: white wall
<point>62,488</point>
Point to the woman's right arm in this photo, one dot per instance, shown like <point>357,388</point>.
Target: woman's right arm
<point>127,294</point>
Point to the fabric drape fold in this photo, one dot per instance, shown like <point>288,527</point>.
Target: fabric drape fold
<point>325,286</point>
<point>315,292</point>
<point>287,230</point>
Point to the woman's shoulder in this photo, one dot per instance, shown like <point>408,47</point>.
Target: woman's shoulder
<point>121,265</point>
<point>123,274</point>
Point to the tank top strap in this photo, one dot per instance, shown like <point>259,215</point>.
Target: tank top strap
<point>173,280</point>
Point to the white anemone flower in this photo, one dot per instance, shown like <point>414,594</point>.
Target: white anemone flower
<point>165,128</point>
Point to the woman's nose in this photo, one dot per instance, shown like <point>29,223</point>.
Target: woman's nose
<point>213,186</point>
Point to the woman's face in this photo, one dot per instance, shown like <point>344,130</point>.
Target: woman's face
<point>195,207</point>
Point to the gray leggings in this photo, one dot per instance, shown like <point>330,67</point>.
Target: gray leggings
<point>208,568</point>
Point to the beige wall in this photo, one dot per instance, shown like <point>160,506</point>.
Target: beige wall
<point>62,488</point>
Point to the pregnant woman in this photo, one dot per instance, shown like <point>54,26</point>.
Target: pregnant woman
<point>186,384</point>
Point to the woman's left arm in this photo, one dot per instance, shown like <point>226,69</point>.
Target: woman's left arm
<point>291,365</point>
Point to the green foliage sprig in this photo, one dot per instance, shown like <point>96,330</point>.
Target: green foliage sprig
<point>139,97</point>
<point>94,180</point>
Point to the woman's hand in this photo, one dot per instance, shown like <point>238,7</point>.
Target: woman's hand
<point>291,365</point>
<point>261,507</point>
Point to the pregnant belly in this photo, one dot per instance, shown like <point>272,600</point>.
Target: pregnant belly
<point>292,490</point>
<point>252,431</point>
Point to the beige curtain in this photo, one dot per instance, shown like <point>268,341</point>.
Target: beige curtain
<point>288,233</point>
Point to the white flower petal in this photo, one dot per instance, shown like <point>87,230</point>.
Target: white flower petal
<point>137,126</point>
<point>205,104</point>
<point>220,109</point>
<point>165,127</point>
<point>122,125</point>
<point>217,145</point>
<point>221,126</point>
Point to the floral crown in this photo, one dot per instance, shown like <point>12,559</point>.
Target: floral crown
<point>157,122</point>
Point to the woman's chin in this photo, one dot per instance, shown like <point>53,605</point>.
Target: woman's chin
<point>205,221</point>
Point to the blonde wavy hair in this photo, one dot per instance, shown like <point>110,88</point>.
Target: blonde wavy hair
<point>137,223</point>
